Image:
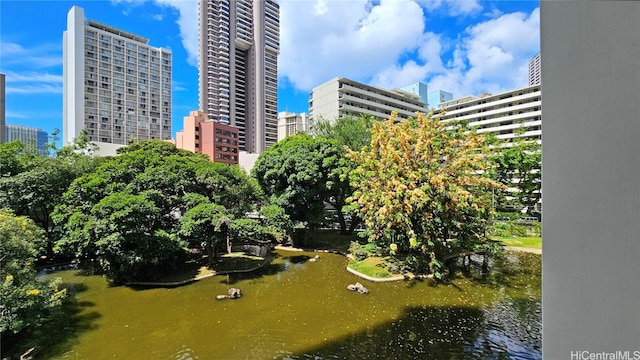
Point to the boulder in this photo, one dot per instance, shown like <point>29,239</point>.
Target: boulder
<point>233,293</point>
<point>358,287</point>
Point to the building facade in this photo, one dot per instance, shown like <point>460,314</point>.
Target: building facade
<point>436,98</point>
<point>340,96</point>
<point>217,140</point>
<point>291,123</point>
<point>419,88</point>
<point>535,70</point>
<point>515,113</point>
<point>35,139</point>
<point>116,86</point>
<point>238,67</point>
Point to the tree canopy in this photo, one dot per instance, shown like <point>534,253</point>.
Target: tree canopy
<point>518,167</point>
<point>34,186</point>
<point>422,187</point>
<point>25,299</point>
<point>349,133</point>
<point>295,172</point>
<point>123,218</point>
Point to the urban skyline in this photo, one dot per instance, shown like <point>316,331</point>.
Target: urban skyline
<point>478,48</point>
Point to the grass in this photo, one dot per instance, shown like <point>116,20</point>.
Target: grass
<point>534,242</point>
<point>371,266</point>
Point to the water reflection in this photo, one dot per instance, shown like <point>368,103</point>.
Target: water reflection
<point>297,309</point>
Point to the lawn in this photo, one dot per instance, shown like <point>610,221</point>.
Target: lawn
<point>534,242</point>
<point>371,266</point>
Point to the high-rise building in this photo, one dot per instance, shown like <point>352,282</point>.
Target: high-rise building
<point>340,96</point>
<point>35,139</point>
<point>535,73</point>
<point>291,123</point>
<point>116,86</point>
<point>238,60</point>
<point>217,140</point>
<point>436,98</point>
<point>2,109</point>
<point>419,88</point>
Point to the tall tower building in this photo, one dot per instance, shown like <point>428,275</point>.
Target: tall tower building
<point>535,73</point>
<point>116,86</point>
<point>238,60</point>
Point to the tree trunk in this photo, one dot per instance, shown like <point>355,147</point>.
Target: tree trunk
<point>342,222</point>
<point>210,254</point>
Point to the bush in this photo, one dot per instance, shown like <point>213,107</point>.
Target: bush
<point>506,229</point>
<point>363,251</point>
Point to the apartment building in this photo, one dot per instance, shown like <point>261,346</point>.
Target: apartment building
<point>340,96</point>
<point>116,85</point>
<point>292,123</point>
<point>238,63</point>
<point>535,70</point>
<point>217,140</point>
<point>35,139</point>
<point>505,115</point>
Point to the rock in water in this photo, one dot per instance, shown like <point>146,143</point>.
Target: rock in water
<point>233,293</point>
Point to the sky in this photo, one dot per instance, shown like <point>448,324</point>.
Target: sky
<point>465,47</point>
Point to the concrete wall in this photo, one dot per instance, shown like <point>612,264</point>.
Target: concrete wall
<point>591,178</point>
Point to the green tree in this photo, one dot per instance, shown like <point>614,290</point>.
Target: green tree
<point>206,225</point>
<point>229,186</point>
<point>25,300</point>
<point>13,159</point>
<point>294,174</point>
<point>518,166</point>
<point>350,133</point>
<point>248,230</point>
<point>147,189</point>
<point>277,223</point>
<point>36,187</point>
<point>422,188</point>
<point>122,218</point>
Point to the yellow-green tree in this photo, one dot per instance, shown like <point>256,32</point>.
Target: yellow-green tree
<point>423,190</point>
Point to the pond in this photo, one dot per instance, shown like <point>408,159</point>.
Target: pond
<point>296,309</point>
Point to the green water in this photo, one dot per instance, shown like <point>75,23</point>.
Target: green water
<point>295,309</point>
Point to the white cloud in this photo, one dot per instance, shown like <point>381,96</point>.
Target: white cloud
<point>12,77</point>
<point>39,56</point>
<point>188,24</point>
<point>34,89</point>
<point>429,62</point>
<point>14,115</point>
<point>347,38</point>
<point>453,7</point>
<point>492,56</point>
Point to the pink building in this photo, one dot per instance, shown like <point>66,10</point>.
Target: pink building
<point>200,135</point>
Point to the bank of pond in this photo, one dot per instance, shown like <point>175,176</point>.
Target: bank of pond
<point>293,308</point>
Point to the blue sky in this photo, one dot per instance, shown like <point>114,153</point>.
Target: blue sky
<point>461,46</point>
